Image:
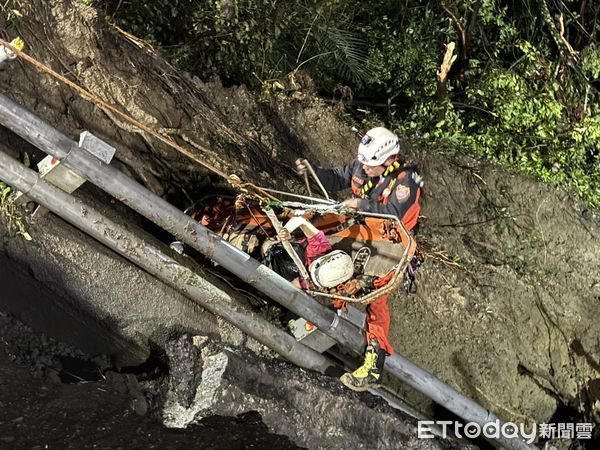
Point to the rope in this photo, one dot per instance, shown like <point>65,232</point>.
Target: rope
<point>287,245</point>
<point>318,181</point>
<point>260,224</point>
<point>232,179</point>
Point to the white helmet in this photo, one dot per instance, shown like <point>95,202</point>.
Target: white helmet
<point>331,269</point>
<point>376,146</point>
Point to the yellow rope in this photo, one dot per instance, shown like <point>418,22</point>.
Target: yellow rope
<point>232,179</point>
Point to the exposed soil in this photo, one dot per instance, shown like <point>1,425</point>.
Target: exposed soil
<point>49,400</point>
<point>55,396</point>
<point>508,299</point>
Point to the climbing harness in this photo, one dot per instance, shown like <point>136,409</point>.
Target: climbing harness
<point>369,184</point>
<point>360,260</point>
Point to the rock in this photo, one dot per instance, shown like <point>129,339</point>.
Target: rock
<point>128,384</point>
<point>313,411</point>
<point>185,369</point>
<point>117,381</point>
<point>140,406</point>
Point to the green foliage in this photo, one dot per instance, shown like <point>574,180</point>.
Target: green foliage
<point>590,61</point>
<point>4,192</point>
<point>225,30</point>
<point>519,103</point>
<point>403,54</point>
<point>532,114</point>
<point>8,209</point>
<point>273,314</point>
<point>519,92</point>
<point>245,40</point>
<point>525,126</point>
<point>11,14</point>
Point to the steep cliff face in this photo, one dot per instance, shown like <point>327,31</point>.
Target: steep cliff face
<point>509,295</point>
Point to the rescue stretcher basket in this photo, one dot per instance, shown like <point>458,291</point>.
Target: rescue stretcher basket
<point>390,245</point>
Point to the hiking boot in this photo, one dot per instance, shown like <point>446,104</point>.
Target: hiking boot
<point>361,259</point>
<point>367,375</point>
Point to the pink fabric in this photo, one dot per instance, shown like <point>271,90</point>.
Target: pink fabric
<point>317,246</point>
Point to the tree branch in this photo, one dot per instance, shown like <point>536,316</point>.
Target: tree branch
<point>557,36</point>
<point>442,74</point>
<point>461,30</point>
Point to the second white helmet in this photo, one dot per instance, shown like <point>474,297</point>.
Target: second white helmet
<point>376,146</point>
<point>331,269</point>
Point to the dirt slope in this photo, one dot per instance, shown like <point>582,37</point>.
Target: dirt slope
<point>509,296</point>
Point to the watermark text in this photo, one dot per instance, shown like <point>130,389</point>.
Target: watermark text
<point>428,429</point>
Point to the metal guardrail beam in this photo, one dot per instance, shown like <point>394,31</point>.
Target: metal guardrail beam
<point>171,219</point>
<point>162,266</point>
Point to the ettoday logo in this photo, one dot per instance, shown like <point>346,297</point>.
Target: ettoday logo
<point>508,430</point>
<point>472,430</point>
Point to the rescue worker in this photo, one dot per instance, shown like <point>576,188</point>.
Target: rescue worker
<point>380,184</point>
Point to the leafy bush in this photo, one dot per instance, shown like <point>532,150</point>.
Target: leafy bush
<point>247,41</point>
<point>401,50</point>
<point>523,91</point>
